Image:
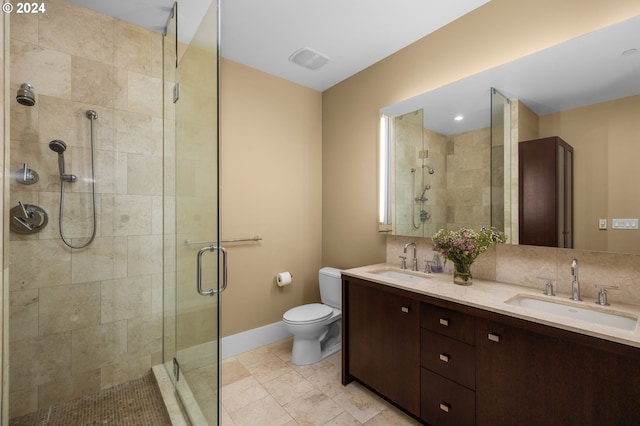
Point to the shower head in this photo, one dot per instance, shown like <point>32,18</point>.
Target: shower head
<point>58,146</point>
<point>25,95</point>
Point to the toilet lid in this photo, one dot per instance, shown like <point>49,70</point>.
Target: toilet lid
<point>312,312</point>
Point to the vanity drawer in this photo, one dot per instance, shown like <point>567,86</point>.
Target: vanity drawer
<point>447,322</point>
<point>448,357</point>
<point>444,402</point>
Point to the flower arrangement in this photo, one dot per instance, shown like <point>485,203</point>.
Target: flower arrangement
<point>465,244</point>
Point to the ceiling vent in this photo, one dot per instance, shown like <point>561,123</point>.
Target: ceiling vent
<point>308,58</point>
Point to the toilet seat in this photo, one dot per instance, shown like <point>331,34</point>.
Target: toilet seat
<point>308,314</point>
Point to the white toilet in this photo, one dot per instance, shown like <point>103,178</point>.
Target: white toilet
<point>317,327</point>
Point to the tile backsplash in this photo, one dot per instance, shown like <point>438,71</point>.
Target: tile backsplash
<point>522,265</point>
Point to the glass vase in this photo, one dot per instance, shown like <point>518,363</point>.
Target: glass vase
<point>462,273</point>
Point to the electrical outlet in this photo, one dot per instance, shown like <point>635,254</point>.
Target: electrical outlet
<point>602,224</point>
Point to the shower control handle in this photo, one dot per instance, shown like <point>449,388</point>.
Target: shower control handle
<point>24,223</point>
<point>27,176</point>
<point>203,250</point>
<point>27,218</point>
<point>25,213</point>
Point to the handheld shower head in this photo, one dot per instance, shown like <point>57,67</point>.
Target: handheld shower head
<point>60,147</point>
<point>25,95</point>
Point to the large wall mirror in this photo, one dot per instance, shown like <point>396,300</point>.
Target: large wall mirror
<point>459,167</point>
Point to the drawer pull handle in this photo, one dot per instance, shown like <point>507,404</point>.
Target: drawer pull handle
<point>493,337</point>
<point>444,321</point>
<point>405,310</point>
<point>444,407</point>
<point>444,357</point>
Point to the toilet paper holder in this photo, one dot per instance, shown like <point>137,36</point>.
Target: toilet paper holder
<point>284,278</point>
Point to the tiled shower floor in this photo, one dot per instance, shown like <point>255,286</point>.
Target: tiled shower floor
<point>137,402</point>
<point>259,387</point>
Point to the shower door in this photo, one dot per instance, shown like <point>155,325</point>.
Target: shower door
<point>192,254</point>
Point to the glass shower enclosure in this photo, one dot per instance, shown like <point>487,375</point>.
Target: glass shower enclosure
<point>194,264</point>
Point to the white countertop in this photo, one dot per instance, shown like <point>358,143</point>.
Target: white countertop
<point>491,296</point>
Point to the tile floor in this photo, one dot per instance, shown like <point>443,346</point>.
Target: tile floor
<point>137,402</point>
<point>263,387</point>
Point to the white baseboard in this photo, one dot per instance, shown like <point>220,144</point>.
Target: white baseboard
<point>251,339</point>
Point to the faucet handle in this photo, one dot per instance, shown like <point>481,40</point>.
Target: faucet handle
<point>403,265</point>
<point>602,295</point>
<point>549,286</point>
<point>428,266</point>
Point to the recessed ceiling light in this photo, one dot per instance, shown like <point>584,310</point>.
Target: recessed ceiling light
<point>629,52</point>
<point>308,58</point>
<point>458,118</point>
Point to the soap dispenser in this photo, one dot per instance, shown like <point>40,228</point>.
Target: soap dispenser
<point>436,265</point>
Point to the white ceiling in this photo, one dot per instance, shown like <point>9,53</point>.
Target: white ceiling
<point>354,34</point>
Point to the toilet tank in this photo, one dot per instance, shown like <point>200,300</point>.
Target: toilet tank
<point>331,287</point>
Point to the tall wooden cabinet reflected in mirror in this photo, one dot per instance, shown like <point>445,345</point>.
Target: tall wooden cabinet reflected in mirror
<point>546,192</point>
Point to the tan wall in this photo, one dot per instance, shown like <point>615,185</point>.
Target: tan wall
<point>498,32</point>
<point>270,185</point>
<point>605,141</point>
<point>74,329</point>
<point>528,123</point>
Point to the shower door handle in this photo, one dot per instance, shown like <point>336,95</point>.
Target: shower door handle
<point>211,292</point>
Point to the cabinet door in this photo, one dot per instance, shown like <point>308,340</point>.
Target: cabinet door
<point>384,343</point>
<point>526,378</point>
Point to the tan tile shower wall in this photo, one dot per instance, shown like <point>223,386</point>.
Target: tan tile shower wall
<point>408,143</point>
<point>85,320</point>
<point>468,179</point>
<point>460,185</point>
<point>436,145</point>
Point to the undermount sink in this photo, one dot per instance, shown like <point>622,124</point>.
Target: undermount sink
<point>567,310</point>
<point>400,275</point>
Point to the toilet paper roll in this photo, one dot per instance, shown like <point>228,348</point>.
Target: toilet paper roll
<point>283,278</point>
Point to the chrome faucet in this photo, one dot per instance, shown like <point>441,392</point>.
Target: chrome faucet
<point>415,257</point>
<point>575,283</point>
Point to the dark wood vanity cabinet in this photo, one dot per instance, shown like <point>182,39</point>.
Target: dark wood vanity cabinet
<point>528,374</point>
<point>381,332</point>
<point>545,182</point>
<point>450,364</point>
